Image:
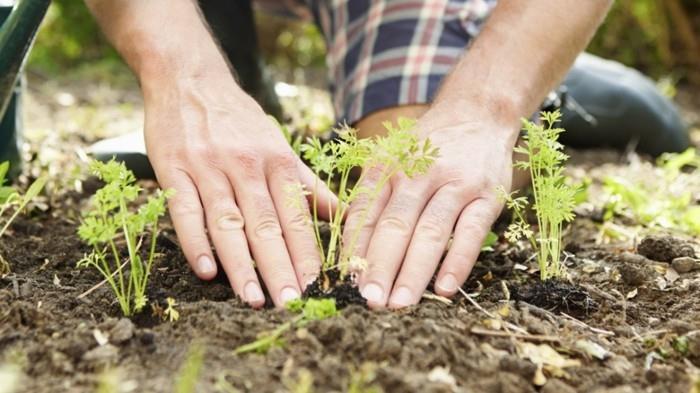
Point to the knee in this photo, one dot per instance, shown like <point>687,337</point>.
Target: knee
<point>627,107</point>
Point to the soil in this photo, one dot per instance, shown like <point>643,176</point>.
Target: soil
<point>626,299</point>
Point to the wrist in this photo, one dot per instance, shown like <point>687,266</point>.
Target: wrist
<point>499,116</point>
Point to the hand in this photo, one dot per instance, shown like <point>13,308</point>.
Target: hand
<point>409,225</point>
<point>230,167</point>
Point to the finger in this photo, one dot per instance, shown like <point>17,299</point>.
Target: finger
<point>363,216</point>
<point>263,229</point>
<point>297,227</point>
<point>391,238</point>
<point>427,246</point>
<point>472,227</point>
<point>326,200</point>
<point>226,229</point>
<point>188,219</point>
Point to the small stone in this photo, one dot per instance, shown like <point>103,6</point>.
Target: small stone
<point>102,354</point>
<point>664,248</point>
<point>685,264</point>
<point>122,331</point>
<point>635,275</point>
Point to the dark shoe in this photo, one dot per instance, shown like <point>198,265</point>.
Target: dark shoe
<point>610,105</point>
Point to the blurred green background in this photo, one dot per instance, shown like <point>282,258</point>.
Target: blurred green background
<point>659,37</point>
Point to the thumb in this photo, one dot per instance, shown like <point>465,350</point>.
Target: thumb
<point>327,201</point>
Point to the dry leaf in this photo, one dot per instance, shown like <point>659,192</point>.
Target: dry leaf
<point>539,379</point>
<point>442,375</point>
<point>493,324</point>
<point>671,275</point>
<point>661,283</point>
<point>546,358</point>
<point>504,311</point>
<point>632,294</point>
<point>593,349</point>
<point>56,281</point>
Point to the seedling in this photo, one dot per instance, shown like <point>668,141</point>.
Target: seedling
<point>400,151</point>
<point>114,220</point>
<point>554,199</point>
<point>308,310</point>
<point>188,375</point>
<point>660,201</point>
<point>12,199</point>
<point>170,312</point>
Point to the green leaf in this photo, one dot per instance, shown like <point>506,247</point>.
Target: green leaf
<point>4,167</point>
<point>34,189</point>
<point>490,241</point>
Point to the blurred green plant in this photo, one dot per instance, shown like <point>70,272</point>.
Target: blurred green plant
<point>656,36</point>
<point>663,201</point>
<point>69,37</point>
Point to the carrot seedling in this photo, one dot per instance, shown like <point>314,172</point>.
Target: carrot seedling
<point>308,310</point>
<point>553,198</point>
<point>400,151</point>
<point>114,220</point>
<point>11,199</point>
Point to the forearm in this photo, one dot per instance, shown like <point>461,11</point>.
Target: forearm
<point>524,50</point>
<point>163,41</point>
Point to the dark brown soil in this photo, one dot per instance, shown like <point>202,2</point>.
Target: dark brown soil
<point>43,321</point>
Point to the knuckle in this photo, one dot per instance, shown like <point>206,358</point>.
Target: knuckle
<point>298,222</point>
<point>247,161</point>
<point>184,207</point>
<point>267,226</point>
<point>430,230</point>
<point>394,224</point>
<point>285,162</point>
<point>229,220</point>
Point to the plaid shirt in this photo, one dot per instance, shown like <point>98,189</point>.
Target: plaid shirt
<point>393,52</point>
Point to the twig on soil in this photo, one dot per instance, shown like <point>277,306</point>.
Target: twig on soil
<point>101,283</point>
<point>587,326</point>
<point>530,337</point>
<point>598,292</point>
<point>540,312</point>
<point>432,296</point>
<point>507,324</point>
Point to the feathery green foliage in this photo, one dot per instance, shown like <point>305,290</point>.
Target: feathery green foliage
<point>554,199</point>
<point>308,310</point>
<point>111,219</point>
<point>400,151</point>
<point>12,199</point>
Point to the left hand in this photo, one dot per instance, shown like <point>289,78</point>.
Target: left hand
<point>409,225</point>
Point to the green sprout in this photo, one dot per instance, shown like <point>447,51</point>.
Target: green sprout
<point>554,198</point>
<point>189,373</point>
<point>400,151</point>
<point>662,201</point>
<point>308,310</point>
<point>112,221</point>
<point>12,199</point>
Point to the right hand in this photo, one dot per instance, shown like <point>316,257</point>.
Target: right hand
<point>230,166</point>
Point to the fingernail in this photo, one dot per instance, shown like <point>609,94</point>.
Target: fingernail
<point>253,293</point>
<point>287,294</point>
<point>373,293</point>
<point>402,297</point>
<point>206,265</point>
<point>448,283</point>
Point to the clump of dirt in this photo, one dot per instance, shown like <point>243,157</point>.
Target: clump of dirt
<point>555,295</point>
<point>329,285</point>
<point>664,248</point>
